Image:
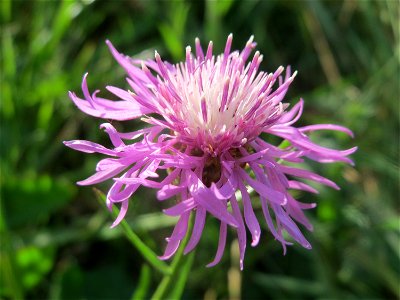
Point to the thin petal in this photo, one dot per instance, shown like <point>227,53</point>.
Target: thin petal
<point>113,133</point>
<point>297,185</point>
<point>177,235</point>
<point>102,175</point>
<point>291,117</point>
<point>326,127</point>
<point>122,213</point>
<point>89,147</point>
<point>262,189</point>
<point>206,198</point>
<point>197,229</point>
<point>297,214</point>
<point>309,175</point>
<point>291,227</point>
<point>249,216</point>
<point>180,208</point>
<point>221,245</point>
<point>107,109</point>
<point>241,230</point>
<point>169,190</point>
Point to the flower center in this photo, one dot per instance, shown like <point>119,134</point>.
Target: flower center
<point>211,171</point>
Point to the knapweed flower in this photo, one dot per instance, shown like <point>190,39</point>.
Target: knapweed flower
<point>205,118</point>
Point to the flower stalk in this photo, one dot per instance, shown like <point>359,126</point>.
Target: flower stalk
<point>180,268</point>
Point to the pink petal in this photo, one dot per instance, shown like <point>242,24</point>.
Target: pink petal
<point>270,223</point>
<point>180,208</point>
<point>221,245</point>
<point>122,213</point>
<point>89,147</point>
<point>309,175</point>
<point>169,190</point>
<point>291,117</point>
<point>291,227</point>
<point>197,229</point>
<point>241,230</point>
<point>297,185</point>
<point>263,190</point>
<point>102,175</point>
<point>295,211</point>
<point>326,127</point>
<point>206,198</point>
<point>113,133</point>
<point>177,235</point>
<point>107,109</point>
<point>249,216</point>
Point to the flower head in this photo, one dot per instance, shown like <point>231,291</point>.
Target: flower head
<point>206,115</point>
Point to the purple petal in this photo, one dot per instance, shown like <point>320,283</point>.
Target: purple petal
<point>123,60</point>
<point>291,227</point>
<point>199,51</point>
<point>107,109</point>
<point>326,127</point>
<point>197,229</point>
<point>124,95</point>
<point>297,185</point>
<point>295,211</point>
<point>113,133</point>
<point>169,190</point>
<point>241,230</point>
<point>293,115</point>
<point>89,147</point>
<point>309,175</point>
<point>180,208</point>
<point>221,245</point>
<point>262,189</point>
<point>254,156</point>
<point>249,216</point>
<point>122,213</point>
<point>301,141</point>
<point>270,223</point>
<point>227,190</point>
<point>116,195</point>
<point>102,175</point>
<point>206,198</point>
<point>177,235</point>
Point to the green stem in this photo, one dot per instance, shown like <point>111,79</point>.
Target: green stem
<point>143,249</point>
<point>144,283</point>
<point>180,282</point>
<point>180,268</point>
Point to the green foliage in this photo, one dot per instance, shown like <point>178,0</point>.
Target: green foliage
<point>34,263</point>
<point>33,200</point>
<point>55,240</point>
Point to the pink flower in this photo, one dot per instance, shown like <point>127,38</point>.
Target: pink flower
<point>206,115</point>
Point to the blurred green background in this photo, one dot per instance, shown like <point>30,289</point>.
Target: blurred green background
<point>55,237</point>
